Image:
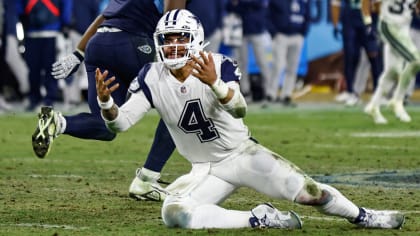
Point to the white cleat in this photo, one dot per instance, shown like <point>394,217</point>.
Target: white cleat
<point>342,97</point>
<point>375,113</point>
<point>266,216</point>
<point>379,219</point>
<point>352,100</point>
<point>145,186</point>
<point>400,111</point>
<point>4,105</point>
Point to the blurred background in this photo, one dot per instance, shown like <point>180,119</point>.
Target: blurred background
<point>320,62</point>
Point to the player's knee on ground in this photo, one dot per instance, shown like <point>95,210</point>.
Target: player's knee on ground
<point>176,215</point>
<point>313,194</point>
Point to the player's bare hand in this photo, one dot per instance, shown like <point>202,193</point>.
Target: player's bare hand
<point>103,88</point>
<point>203,68</point>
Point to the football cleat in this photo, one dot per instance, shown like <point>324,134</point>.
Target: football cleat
<point>145,186</point>
<point>4,105</point>
<point>379,219</point>
<point>342,97</point>
<point>399,111</point>
<point>352,100</point>
<point>266,216</point>
<point>375,113</point>
<point>48,129</point>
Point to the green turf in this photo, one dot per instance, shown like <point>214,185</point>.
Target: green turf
<point>81,187</point>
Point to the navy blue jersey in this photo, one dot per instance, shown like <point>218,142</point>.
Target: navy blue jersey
<point>210,14</point>
<point>415,23</point>
<point>11,16</point>
<point>289,16</point>
<point>253,14</point>
<point>138,17</point>
<point>84,13</point>
<point>351,12</point>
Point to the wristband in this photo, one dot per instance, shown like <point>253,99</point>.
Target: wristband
<point>367,20</point>
<point>79,54</point>
<point>220,88</point>
<point>105,105</point>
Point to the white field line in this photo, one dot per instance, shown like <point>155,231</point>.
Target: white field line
<point>57,176</point>
<point>102,161</point>
<point>391,134</point>
<point>71,227</point>
<point>336,146</point>
<point>331,218</point>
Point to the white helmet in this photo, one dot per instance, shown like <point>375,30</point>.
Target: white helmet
<point>188,25</point>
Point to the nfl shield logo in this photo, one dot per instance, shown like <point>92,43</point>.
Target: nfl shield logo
<point>183,89</point>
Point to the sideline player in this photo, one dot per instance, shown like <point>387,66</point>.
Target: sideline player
<point>356,34</point>
<point>121,40</point>
<point>198,97</point>
<point>401,57</point>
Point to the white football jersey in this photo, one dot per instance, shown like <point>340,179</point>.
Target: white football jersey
<point>397,11</point>
<point>201,129</point>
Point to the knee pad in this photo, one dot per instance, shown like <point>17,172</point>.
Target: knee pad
<point>176,215</point>
<point>313,194</point>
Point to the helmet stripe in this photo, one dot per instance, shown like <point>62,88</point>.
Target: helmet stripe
<point>175,16</point>
<point>167,18</point>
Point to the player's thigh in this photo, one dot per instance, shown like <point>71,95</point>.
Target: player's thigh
<point>190,191</point>
<point>263,171</point>
<point>392,59</point>
<point>199,187</point>
<point>398,37</point>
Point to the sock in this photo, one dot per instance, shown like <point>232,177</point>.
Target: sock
<point>88,126</point>
<point>161,149</point>
<point>339,205</point>
<point>63,123</point>
<point>148,175</point>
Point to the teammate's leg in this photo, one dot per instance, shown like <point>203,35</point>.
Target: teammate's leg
<point>280,45</point>
<point>162,148</point>
<point>401,42</point>
<point>145,184</point>
<point>392,66</point>
<point>293,56</point>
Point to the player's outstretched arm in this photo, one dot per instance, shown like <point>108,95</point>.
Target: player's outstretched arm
<point>104,90</point>
<point>66,66</point>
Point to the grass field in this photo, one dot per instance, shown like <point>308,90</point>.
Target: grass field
<point>81,188</point>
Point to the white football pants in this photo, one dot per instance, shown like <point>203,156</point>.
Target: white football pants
<point>194,197</point>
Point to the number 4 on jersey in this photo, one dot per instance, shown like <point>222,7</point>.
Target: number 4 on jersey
<point>193,120</point>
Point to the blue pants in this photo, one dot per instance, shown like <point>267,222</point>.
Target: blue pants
<point>355,38</point>
<point>118,53</point>
<point>39,56</point>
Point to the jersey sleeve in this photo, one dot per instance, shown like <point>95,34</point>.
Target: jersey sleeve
<point>229,70</point>
<point>139,84</point>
